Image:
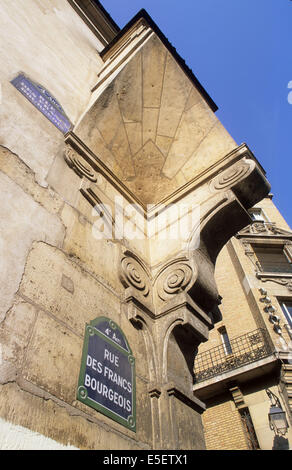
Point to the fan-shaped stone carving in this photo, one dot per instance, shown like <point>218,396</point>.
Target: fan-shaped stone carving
<point>151,126</point>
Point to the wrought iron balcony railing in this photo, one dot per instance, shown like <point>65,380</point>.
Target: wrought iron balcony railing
<point>245,349</point>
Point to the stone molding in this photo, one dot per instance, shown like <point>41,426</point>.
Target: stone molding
<point>268,229</point>
<point>230,173</point>
<point>97,19</point>
<point>283,281</point>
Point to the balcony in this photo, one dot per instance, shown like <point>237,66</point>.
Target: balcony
<point>246,349</point>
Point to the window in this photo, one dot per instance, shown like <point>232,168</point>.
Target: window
<point>225,340</point>
<point>257,215</point>
<point>286,306</point>
<point>273,258</point>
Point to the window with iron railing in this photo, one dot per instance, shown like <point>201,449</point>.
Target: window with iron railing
<point>247,348</point>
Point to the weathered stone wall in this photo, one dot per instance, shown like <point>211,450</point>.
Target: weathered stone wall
<point>52,292</point>
<point>50,43</point>
<point>63,278</point>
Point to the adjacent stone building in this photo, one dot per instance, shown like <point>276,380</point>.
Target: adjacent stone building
<point>249,352</point>
<point>127,248</point>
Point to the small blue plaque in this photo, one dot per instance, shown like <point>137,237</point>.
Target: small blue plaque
<point>43,101</point>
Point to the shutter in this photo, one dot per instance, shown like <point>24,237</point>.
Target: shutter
<point>273,259</point>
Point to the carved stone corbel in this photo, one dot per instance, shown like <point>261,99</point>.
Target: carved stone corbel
<point>233,175</point>
<point>159,302</point>
<point>161,291</point>
<point>237,396</point>
<point>172,325</point>
<point>246,179</point>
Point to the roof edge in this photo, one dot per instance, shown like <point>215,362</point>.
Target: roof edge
<point>107,15</point>
<point>97,19</point>
<point>143,14</point>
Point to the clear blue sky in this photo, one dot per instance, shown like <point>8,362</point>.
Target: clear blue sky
<point>241,52</point>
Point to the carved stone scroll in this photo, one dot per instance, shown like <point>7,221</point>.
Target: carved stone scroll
<point>234,174</point>
<point>134,273</point>
<point>246,179</point>
<point>172,279</point>
<point>80,168</point>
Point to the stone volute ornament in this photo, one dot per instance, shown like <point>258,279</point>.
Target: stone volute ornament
<point>134,273</point>
<point>173,279</point>
<point>233,175</point>
<point>73,160</point>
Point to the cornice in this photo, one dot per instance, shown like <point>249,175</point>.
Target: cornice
<point>239,153</point>
<point>97,19</point>
<point>146,18</point>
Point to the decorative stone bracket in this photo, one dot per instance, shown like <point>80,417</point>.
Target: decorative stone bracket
<point>182,290</point>
<point>174,302</point>
<point>158,303</point>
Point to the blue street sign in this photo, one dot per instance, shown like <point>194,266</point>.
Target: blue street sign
<point>43,101</point>
<point>107,375</point>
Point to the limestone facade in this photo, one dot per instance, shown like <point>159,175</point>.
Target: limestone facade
<point>259,332</point>
<point>123,216</point>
